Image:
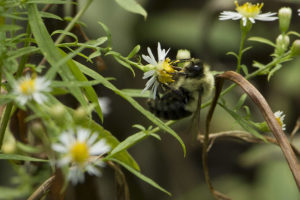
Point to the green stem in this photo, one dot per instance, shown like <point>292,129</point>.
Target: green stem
<point>244,34</point>
<point>73,21</point>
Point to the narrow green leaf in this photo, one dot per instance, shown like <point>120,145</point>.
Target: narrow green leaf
<point>49,50</point>
<point>293,33</point>
<point>71,84</point>
<point>246,49</point>
<point>90,92</point>
<point>132,6</point>
<point>108,34</point>
<point>65,33</point>
<point>21,52</point>
<point>232,54</point>
<point>124,64</point>
<point>135,104</point>
<point>245,69</point>
<point>20,157</point>
<point>94,54</point>
<point>46,1</point>
<point>136,93</point>
<point>134,51</point>
<point>50,16</point>
<point>275,69</point>
<point>138,126</point>
<point>141,176</point>
<point>128,142</point>
<point>9,27</point>
<point>240,102</point>
<point>262,40</point>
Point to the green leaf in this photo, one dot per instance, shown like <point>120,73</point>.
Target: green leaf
<point>21,52</point>
<point>94,54</point>
<point>141,176</point>
<point>240,102</point>
<point>275,69</point>
<point>245,69</point>
<point>293,33</point>
<point>66,33</point>
<point>232,54</point>
<point>20,157</point>
<point>128,142</point>
<point>9,27</point>
<point>50,15</point>
<point>135,104</point>
<point>89,90</point>
<point>49,50</point>
<point>134,51</point>
<point>125,64</point>
<point>140,127</point>
<point>262,40</point>
<point>243,123</point>
<point>108,34</point>
<point>136,93</point>
<point>246,49</point>
<point>132,6</point>
<point>46,1</point>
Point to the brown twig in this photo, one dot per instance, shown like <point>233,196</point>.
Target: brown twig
<point>295,130</point>
<point>42,189</point>
<point>268,115</point>
<point>122,186</point>
<point>244,136</point>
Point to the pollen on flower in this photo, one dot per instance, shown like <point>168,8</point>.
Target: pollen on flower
<point>279,121</point>
<point>27,86</point>
<point>249,9</point>
<point>79,152</point>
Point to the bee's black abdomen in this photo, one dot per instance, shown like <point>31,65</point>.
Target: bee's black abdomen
<point>170,106</point>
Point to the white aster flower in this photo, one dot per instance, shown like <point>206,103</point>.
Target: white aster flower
<point>280,117</point>
<point>246,12</point>
<point>81,150</point>
<point>298,12</point>
<point>31,88</point>
<point>160,70</point>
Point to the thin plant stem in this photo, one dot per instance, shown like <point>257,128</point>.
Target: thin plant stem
<point>239,60</point>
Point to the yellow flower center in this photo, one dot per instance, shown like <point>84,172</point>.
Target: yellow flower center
<point>165,73</point>
<point>80,152</point>
<point>27,86</point>
<point>279,121</point>
<point>249,9</point>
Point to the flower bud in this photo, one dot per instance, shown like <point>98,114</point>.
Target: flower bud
<point>282,43</point>
<point>295,49</point>
<point>80,114</point>
<point>37,128</point>
<point>58,113</point>
<point>183,54</point>
<point>284,15</point>
<point>9,145</point>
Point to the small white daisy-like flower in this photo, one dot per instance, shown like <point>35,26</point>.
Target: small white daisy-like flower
<point>31,88</point>
<point>160,70</point>
<point>298,12</point>
<point>280,118</point>
<point>246,12</point>
<point>81,150</point>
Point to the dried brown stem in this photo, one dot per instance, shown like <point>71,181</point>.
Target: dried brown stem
<point>244,136</point>
<point>268,115</point>
<point>42,189</point>
<point>295,130</point>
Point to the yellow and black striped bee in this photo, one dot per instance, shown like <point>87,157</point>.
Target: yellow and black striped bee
<point>182,97</point>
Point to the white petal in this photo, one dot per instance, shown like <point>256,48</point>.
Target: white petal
<point>266,17</point>
<point>244,21</point>
<point>59,148</point>
<point>151,55</point>
<point>149,83</point>
<point>154,89</point>
<point>64,161</point>
<point>92,139</point>
<point>101,147</point>
<point>93,170</point>
<point>75,175</point>
<point>82,134</point>
<point>225,15</point>
<point>148,74</point>
<point>251,20</point>
<point>149,60</point>
<point>67,138</point>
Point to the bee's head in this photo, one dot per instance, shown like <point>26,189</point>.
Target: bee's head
<point>194,70</point>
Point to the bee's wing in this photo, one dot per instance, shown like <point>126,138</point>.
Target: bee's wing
<point>194,129</point>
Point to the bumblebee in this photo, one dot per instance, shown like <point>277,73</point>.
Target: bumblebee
<point>182,98</point>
